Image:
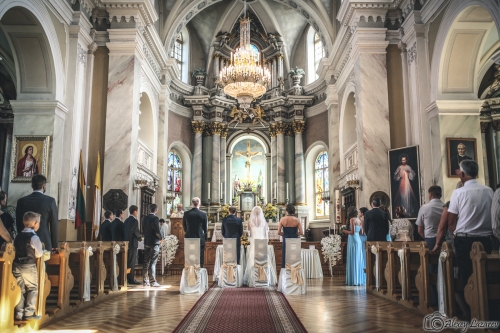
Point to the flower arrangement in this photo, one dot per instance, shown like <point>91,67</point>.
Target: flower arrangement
<point>244,241</point>
<point>270,212</point>
<point>224,211</point>
<point>169,247</point>
<point>341,231</point>
<point>331,248</point>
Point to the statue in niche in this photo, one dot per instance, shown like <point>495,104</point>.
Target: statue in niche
<point>258,114</point>
<point>274,39</point>
<point>495,86</point>
<point>237,115</point>
<point>236,186</point>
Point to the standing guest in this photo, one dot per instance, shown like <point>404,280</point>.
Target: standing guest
<point>133,236</point>
<point>180,211</point>
<point>495,214</point>
<point>28,248</point>
<point>430,215</point>
<point>469,217</point>
<point>105,229</point>
<point>288,227</point>
<point>376,222</point>
<point>361,217</point>
<point>117,227</point>
<point>195,224</point>
<point>7,221</point>
<point>152,240</point>
<point>402,228</point>
<point>163,229</point>
<point>45,206</point>
<point>232,227</point>
<point>355,275</point>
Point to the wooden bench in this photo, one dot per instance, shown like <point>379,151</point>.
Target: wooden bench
<point>482,292</point>
<point>446,261</point>
<point>375,268</point>
<point>61,280</point>
<point>10,293</point>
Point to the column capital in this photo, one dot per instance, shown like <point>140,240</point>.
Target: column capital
<point>198,126</point>
<point>299,126</point>
<point>484,126</point>
<point>141,11</point>
<point>224,129</point>
<point>215,128</point>
<point>281,127</point>
<point>369,40</point>
<point>272,130</point>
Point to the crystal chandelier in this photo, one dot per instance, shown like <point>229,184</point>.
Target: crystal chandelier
<point>245,78</point>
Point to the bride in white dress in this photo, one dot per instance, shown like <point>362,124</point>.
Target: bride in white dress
<point>258,229</point>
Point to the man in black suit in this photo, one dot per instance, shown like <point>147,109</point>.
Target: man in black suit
<point>195,224</point>
<point>117,227</point>
<point>376,223</point>
<point>152,240</point>
<point>45,206</point>
<point>133,236</point>
<point>105,228</point>
<point>232,227</point>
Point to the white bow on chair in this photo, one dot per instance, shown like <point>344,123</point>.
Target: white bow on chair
<point>192,277</point>
<point>230,271</point>
<point>296,278</point>
<point>262,271</point>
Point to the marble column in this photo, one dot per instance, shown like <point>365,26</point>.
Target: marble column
<point>216,65</point>
<point>496,127</point>
<point>223,147</point>
<point>280,65</point>
<point>269,182</point>
<point>485,121</point>
<point>207,161</point>
<point>122,112</point>
<point>372,110</point>
<point>280,161</point>
<point>6,163</point>
<point>331,102</point>
<point>274,74</point>
<point>216,158</point>
<point>273,174</point>
<point>300,174</point>
<point>406,94</point>
<point>198,127</point>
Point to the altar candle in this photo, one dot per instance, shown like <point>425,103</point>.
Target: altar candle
<point>287,196</point>
<point>208,191</point>
<point>220,190</point>
<point>275,191</point>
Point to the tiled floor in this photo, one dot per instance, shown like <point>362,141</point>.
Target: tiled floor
<point>328,306</point>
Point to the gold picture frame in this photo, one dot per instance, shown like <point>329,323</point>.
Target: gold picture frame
<point>30,156</point>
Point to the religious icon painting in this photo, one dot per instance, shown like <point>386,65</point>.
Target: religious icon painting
<point>30,156</point>
<point>404,173</point>
<point>458,150</point>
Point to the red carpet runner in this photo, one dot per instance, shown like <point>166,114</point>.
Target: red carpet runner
<point>241,310</point>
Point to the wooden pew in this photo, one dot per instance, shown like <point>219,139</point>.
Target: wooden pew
<point>409,266</point>
<point>61,280</point>
<point>10,293</point>
<point>380,249</point>
<point>424,279</point>
<point>391,272</point>
<point>446,259</point>
<point>483,287</point>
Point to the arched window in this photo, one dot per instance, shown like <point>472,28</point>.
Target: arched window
<point>322,185</point>
<point>178,54</point>
<point>315,51</point>
<point>174,181</point>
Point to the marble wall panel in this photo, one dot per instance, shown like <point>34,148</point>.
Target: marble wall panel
<point>316,130</point>
<point>179,129</point>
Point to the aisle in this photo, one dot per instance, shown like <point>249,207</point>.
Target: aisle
<point>329,306</point>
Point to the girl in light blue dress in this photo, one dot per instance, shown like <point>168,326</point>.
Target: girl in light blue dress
<point>355,275</point>
<point>361,217</point>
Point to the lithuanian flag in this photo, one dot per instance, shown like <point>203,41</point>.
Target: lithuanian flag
<point>80,196</point>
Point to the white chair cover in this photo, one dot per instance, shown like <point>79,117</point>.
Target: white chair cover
<point>261,274</point>
<point>194,280</point>
<point>292,279</point>
<point>88,277</point>
<point>217,235</point>
<point>230,274</point>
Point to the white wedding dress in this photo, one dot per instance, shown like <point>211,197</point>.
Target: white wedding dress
<point>258,229</point>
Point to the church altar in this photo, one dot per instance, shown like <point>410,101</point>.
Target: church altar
<point>211,253</point>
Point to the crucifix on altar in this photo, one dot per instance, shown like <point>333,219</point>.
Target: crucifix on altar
<point>248,154</point>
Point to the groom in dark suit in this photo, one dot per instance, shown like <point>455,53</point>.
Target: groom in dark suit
<point>376,223</point>
<point>195,224</point>
<point>133,236</point>
<point>44,205</point>
<point>232,227</point>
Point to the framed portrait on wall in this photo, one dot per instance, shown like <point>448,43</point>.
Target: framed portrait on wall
<point>30,156</point>
<point>458,150</point>
<point>405,180</point>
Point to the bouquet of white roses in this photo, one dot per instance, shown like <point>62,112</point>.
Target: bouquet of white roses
<point>331,248</point>
<point>169,247</point>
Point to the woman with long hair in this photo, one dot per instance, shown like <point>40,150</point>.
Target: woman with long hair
<point>402,228</point>
<point>288,227</point>
<point>258,229</point>
<point>354,274</point>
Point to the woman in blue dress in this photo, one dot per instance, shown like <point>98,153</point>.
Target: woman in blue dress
<point>361,217</point>
<point>355,275</point>
<point>288,227</point>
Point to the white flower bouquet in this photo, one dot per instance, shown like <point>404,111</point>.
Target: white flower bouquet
<point>169,247</point>
<point>331,248</point>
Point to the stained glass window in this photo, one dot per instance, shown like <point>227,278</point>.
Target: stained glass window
<point>322,185</point>
<point>174,180</point>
